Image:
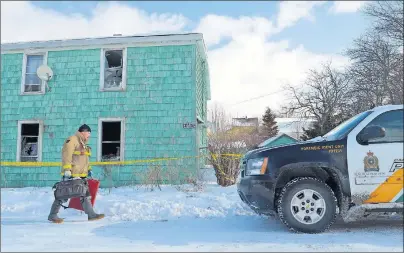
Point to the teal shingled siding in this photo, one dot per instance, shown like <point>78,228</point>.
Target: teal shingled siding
<point>161,94</point>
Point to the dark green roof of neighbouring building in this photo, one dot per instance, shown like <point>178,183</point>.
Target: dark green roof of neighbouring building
<point>280,139</point>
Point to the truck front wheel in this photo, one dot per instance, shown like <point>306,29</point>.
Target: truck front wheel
<point>307,205</point>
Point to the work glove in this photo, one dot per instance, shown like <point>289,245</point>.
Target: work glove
<point>68,173</point>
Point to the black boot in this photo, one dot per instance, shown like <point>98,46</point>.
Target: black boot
<point>88,209</point>
<point>53,215</point>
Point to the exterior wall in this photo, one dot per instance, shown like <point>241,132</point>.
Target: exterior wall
<point>201,105</point>
<point>160,96</point>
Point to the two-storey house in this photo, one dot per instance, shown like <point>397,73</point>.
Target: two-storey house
<point>144,97</point>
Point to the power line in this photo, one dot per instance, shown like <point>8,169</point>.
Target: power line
<point>257,97</point>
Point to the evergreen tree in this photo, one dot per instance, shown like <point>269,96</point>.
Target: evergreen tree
<point>270,128</point>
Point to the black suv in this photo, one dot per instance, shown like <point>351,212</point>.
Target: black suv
<point>355,168</point>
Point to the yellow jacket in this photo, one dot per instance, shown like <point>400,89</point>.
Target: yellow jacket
<point>75,156</point>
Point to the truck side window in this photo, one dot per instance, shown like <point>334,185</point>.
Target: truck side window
<point>393,123</point>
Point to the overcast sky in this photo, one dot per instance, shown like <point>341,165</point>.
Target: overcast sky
<point>253,47</point>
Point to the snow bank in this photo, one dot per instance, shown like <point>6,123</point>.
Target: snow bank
<point>214,219</point>
<point>134,204</point>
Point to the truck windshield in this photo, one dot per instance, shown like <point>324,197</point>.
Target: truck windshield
<point>344,128</point>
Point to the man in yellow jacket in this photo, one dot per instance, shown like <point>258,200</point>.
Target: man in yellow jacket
<point>76,164</point>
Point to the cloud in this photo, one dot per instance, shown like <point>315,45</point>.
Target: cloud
<point>291,12</point>
<point>346,6</point>
<point>22,21</point>
<point>251,65</point>
<point>248,66</point>
<point>228,27</point>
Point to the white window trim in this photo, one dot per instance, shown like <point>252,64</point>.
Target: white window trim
<point>102,70</point>
<point>24,69</point>
<point>40,135</point>
<point>99,143</point>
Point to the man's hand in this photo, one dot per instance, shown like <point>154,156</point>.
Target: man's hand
<point>68,173</point>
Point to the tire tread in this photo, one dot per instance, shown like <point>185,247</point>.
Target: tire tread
<point>287,187</point>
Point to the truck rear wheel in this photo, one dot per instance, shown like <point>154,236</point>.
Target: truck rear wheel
<point>307,205</point>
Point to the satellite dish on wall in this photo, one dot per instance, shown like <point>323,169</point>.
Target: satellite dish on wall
<point>44,73</point>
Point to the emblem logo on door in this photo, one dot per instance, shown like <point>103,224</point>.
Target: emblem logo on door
<point>371,162</point>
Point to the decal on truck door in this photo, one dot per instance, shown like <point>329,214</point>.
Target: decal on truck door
<point>371,174</point>
<point>389,191</point>
<point>371,162</point>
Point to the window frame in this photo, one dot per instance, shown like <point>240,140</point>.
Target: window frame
<point>102,68</point>
<point>24,71</point>
<point>122,137</point>
<point>381,142</point>
<point>40,136</point>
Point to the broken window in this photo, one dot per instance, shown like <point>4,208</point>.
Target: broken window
<point>32,83</point>
<point>111,141</point>
<point>29,142</point>
<point>113,68</point>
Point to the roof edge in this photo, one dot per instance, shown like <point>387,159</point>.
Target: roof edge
<point>276,138</point>
<point>152,38</point>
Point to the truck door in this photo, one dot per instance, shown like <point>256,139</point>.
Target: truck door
<point>376,169</point>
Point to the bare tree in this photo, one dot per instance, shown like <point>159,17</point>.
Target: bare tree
<point>226,146</point>
<point>389,19</point>
<point>324,96</point>
<point>376,71</point>
<point>377,57</point>
<point>226,149</point>
<point>397,85</point>
<point>221,121</point>
<point>375,76</point>
<point>223,156</point>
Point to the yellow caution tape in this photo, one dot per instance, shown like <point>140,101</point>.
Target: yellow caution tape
<point>59,164</point>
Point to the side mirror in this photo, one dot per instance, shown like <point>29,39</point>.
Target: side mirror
<point>369,133</point>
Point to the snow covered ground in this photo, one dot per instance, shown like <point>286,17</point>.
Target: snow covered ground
<point>214,219</point>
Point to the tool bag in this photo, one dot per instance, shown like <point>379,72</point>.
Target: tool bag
<point>71,189</point>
